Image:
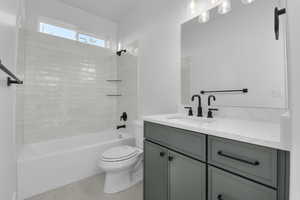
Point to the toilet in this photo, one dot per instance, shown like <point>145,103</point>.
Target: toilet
<point>123,165</point>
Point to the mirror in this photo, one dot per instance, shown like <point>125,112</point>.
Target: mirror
<point>234,51</point>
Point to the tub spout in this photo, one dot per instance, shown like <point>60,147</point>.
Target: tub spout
<point>122,126</point>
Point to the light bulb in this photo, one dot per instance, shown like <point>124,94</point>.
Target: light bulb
<point>192,6</point>
<point>247,1</point>
<point>224,7</point>
<point>204,17</point>
<point>119,46</point>
<point>214,1</point>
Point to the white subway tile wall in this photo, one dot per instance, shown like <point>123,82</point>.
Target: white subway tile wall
<point>65,90</point>
<point>128,73</point>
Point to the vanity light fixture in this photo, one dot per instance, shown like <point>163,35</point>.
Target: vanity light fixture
<point>247,1</point>
<point>224,7</point>
<point>204,17</point>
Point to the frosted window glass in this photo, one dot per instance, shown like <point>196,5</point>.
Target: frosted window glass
<point>71,35</point>
<point>58,31</point>
<point>91,40</point>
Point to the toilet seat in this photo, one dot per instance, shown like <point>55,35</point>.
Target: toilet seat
<point>120,153</point>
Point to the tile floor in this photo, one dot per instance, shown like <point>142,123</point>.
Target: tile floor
<point>90,189</point>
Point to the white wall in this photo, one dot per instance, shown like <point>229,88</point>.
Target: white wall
<point>156,25</point>
<point>294,82</point>
<point>65,14</point>
<point>8,42</point>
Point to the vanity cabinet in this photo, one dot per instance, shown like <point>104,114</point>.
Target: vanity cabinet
<point>170,175</point>
<point>182,164</point>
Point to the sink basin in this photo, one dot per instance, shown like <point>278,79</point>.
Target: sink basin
<point>189,120</point>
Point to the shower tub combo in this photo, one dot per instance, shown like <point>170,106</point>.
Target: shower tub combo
<point>49,165</point>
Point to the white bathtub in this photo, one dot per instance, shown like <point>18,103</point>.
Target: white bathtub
<point>49,165</point>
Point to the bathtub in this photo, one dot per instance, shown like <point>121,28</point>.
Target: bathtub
<point>49,165</point>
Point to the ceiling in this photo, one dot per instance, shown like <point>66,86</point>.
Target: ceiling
<point>111,9</point>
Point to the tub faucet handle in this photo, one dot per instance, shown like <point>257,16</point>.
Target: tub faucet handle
<point>124,117</point>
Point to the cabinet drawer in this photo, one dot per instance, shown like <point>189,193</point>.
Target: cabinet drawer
<point>254,162</point>
<point>187,142</point>
<point>225,186</point>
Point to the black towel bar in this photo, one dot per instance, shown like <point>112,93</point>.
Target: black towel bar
<point>245,90</point>
<point>113,95</point>
<point>13,79</point>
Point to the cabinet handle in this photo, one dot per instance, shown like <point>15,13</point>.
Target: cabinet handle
<point>171,158</point>
<point>220,197</point>
<point>162,154</point>
<point>254,163</point>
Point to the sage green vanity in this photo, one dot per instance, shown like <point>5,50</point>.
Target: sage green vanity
<point>186,165</point>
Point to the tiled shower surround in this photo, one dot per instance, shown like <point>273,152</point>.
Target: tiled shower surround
<point>66,88</point>
<point>128,73</point>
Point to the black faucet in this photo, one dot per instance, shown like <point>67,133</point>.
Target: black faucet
<point>122,126</point>
<point>210,112</point>
<point>190,110</point>
<point>200,113</point>
<point>209,99</point>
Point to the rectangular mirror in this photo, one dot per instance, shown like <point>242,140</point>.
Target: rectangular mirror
<point>234,51</point>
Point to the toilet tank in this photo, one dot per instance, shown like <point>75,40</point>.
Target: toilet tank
<point>139,133</point>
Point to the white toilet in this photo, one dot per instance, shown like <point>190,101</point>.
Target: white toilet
<point>123,164</point>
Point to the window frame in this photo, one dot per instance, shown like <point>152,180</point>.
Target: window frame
<point>43,20</point>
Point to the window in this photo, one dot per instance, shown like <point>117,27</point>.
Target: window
<point>90,40</point>
<point>58,31</point>
<point>71,35</point>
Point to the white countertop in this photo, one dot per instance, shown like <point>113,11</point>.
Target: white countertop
<point>254,132</point>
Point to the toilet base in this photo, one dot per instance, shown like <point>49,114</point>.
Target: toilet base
<point>119,181</point>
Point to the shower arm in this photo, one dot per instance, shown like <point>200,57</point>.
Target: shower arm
<point>119,53</point>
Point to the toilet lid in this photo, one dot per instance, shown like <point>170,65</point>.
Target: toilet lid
<point>119,153</point>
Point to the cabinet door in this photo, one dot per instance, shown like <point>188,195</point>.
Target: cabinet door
<point>187,178</point>
<point>225,186</point>
<point>156,172</point>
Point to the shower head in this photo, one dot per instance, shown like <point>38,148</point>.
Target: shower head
<point>119,53</point>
